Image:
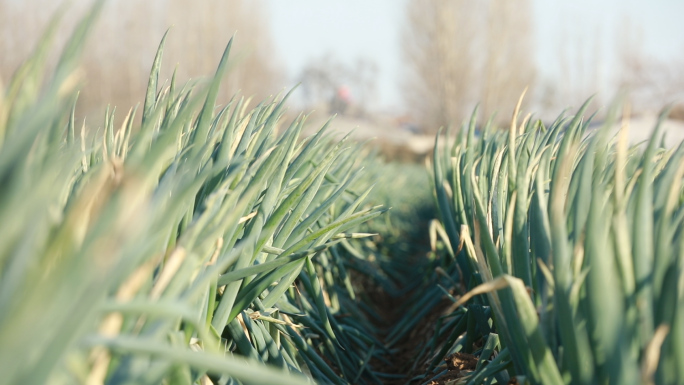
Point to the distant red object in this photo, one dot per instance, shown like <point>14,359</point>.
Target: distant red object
<point>344,94</point>
<point>341,101</point>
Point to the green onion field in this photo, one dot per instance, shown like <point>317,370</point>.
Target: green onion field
<point>204,242</point>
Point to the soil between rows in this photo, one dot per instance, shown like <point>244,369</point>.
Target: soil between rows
<point>402,356</point>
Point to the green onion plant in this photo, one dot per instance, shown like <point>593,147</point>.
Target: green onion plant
<point>572,243</point>
<point>194,247</point>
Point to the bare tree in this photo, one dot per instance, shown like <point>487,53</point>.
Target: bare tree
<point>120,50</point>
<point>459,52</point>
<point>579,57</point>
<point>439,84</point>
<point>204,32</point>
<point>323,78</point>
<point>509,62</point>
<point>319,80</point>
<point>649,83</point>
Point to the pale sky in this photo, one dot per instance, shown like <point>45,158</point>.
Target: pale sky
<point>307,29</point>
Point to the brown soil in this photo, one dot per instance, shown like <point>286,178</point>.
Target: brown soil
<point>403,359</point>
<point>402,356</point>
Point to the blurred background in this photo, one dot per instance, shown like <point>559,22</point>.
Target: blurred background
<point>391,68</point>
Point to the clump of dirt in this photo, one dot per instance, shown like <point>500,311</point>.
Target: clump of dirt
<point>459,366</point>
<point>461,361</point>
